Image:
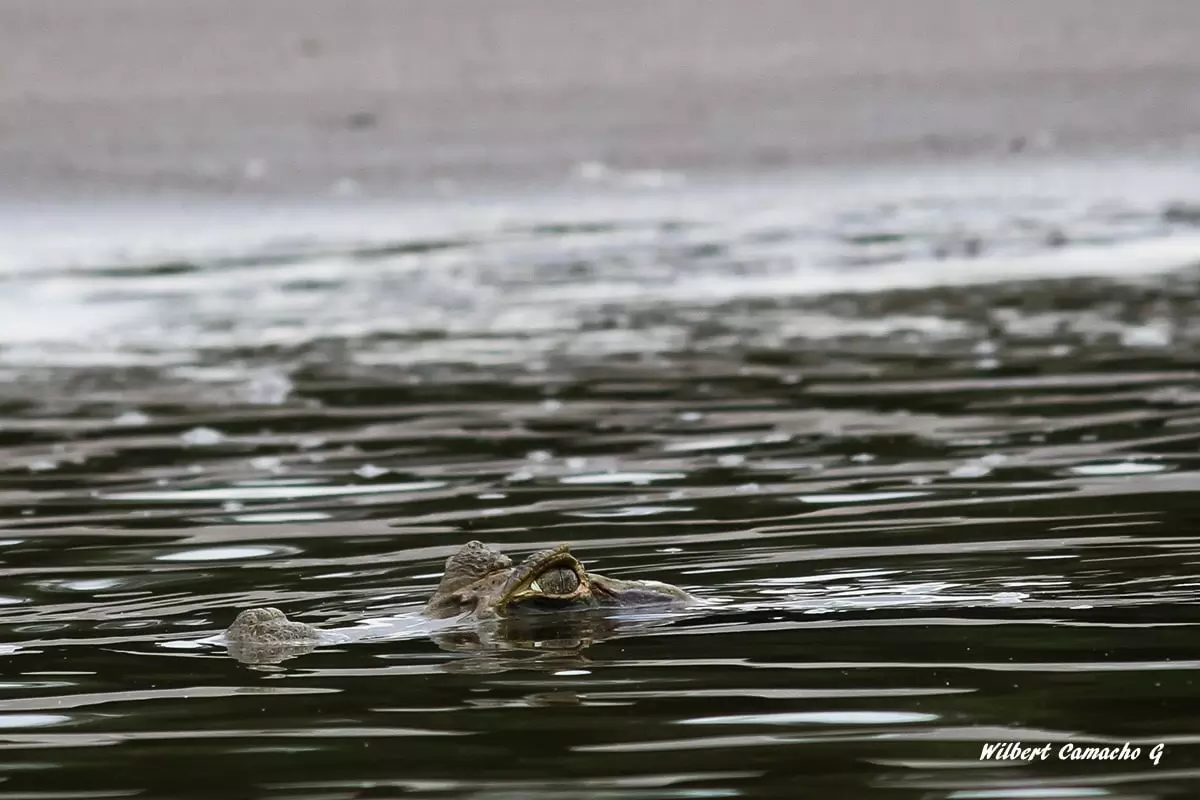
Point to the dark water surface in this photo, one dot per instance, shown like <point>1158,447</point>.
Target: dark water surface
<point>929,456</point>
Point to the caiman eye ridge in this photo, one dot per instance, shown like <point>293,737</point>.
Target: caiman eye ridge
<point>552,575</point>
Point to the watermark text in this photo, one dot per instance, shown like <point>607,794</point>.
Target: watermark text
<point>1019,751</point>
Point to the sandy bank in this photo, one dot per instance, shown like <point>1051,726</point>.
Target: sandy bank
<point>382,97</point>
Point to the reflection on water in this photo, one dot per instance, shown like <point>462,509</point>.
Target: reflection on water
<point>926,509</point>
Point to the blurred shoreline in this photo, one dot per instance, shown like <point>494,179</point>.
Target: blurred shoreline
<point>285,100</point>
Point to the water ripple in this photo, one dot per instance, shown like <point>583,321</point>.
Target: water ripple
<point>927,461</point>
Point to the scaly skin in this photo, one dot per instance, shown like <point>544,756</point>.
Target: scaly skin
<point>269,626</point>
<point>485,585</point>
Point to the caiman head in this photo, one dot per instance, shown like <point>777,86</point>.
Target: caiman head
<point>484,583</point>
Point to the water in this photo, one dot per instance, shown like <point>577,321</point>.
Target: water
<point>925,445</point>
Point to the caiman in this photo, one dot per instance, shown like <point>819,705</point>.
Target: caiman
<point>478,583</point>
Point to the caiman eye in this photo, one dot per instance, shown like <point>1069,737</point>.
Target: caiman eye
<point>556,582</point>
